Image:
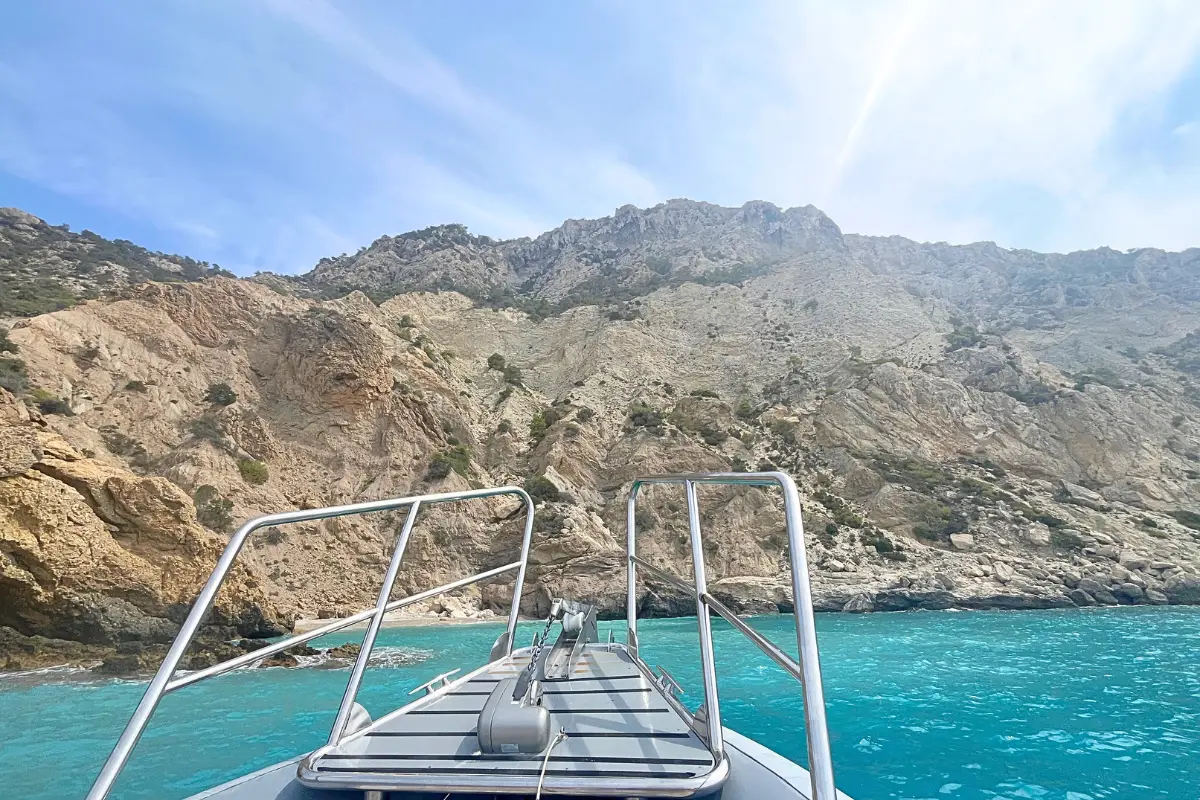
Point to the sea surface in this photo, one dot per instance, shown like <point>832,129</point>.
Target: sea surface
<point>1048,705</point>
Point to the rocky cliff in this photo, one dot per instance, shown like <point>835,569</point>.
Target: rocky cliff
<point>94,559</point>
<point>971,427</point>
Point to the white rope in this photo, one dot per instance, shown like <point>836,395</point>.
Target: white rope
<point>559,739</point>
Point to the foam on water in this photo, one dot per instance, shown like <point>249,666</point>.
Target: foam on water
<point>381,657</point>
<point>1059,705</point>
<point>36,677</point>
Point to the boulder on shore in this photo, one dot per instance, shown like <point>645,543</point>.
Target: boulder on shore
<point>1081,598</point>
<point>1128,593</point>
<point>1155,597</point>
<point>859,604</point>
<point>1183,590</point>
<point>1098,591</point>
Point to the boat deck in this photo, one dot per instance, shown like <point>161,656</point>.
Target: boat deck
<point>624,738</point>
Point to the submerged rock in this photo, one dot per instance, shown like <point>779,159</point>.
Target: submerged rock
<point>348,651</point>
<point>288,657</point>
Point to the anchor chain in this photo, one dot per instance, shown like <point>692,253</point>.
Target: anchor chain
<point>540,642</point>
<point>527,681</point>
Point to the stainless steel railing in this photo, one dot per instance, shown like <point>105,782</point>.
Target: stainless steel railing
<point>808,671</point>
<point>164,681</point>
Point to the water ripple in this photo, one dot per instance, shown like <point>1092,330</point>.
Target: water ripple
<point>1056,705</point>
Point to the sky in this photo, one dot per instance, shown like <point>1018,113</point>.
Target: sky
<point>266,134</point>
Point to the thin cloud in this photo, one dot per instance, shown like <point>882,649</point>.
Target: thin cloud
<point>548,166</point>
<point>266,135</point>
<point>910,21</point>
<point>338,133</point>
<point>982,106</point>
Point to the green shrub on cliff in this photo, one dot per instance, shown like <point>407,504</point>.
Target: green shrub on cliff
<point>208,428</point>
<point>1189,518</point>
<point>439,467</point>
<point>839,509</point>
<point>49,403</point>
<point>643,416</point>
<point>253,471</point>
<point>220,394</point>
<point>541,423</point>
<point>513,375</point>
<point>456,459</point>
<point>212,510</point>
<point>541,489</point>
<point>13,376</point>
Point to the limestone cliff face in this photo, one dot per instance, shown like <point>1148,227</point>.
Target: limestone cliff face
<point>949,453</point>
<point>94,554</point>
<point>1080,311</point>
<point>585,261</point>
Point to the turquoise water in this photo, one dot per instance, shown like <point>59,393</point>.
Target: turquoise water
<point>1054,705</point>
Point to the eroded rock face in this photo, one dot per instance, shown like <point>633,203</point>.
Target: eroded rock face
<point>92,554</point>
<point>1183,590</point>
<point>639,243</point>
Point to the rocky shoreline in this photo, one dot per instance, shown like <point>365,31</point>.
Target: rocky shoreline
<point>1003,587</point>
<point>1076,590</point>
<point>1087,593</point>
<point>20,653</point>
<point>25,653</point>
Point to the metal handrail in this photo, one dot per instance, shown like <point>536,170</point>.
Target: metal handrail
<point>808,671</point>
<point>368,643</point>
<point>766,645</point>
<point>162,682</point>
<point>663,575</point>
<point>328,628</point>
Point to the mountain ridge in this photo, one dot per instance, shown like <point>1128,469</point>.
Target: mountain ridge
<point>966,431</point>
<point>591,262</point>
<point>46,267</point>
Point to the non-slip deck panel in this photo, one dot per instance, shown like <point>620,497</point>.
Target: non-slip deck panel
<point>618,724</point>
